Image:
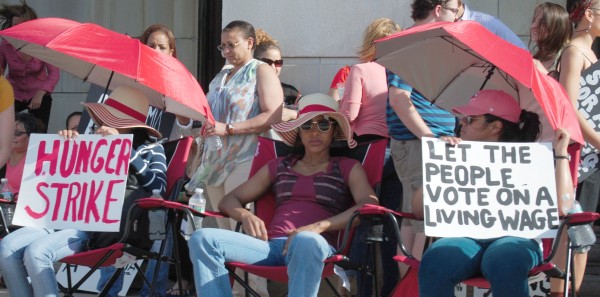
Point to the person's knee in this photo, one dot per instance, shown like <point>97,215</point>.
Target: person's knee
<point>508,259</point>
<point>308,243</point>
<point>203,240</point>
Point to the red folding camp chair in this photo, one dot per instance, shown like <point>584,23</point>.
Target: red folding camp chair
<point>408,286</point>
<point>371,155</point>
<point>177,152</point>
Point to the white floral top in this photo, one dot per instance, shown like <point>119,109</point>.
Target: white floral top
<point>231,102</point>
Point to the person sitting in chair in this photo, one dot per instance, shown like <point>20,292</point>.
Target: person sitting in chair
<point>300,235</point>
<point>493,115</point>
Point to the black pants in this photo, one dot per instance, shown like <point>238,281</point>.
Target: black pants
<point>42,113</point>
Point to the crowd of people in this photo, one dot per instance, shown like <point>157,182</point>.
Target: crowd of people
<point>315,192</point>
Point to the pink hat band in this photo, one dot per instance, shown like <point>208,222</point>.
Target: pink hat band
<point>125,109</point>
<point>316,108</point>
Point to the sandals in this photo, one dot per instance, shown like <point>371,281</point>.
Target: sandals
<point>175,293</point>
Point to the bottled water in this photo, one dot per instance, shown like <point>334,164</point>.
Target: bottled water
<point>213,143</point>
<point>198,203</point>
<point>582,236</point>
<point>7,208</point>
<point>157,217</point>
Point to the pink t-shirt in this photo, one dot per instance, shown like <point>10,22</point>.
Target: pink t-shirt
<point>28,77</point>
<point>365,99</point>
<point>14,175</point>
<point>302,200</point>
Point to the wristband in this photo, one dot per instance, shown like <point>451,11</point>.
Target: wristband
<point>567,157</point>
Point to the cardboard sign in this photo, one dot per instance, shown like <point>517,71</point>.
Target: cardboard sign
<point>587,105</point>
<point>91,284</point>
<point>74,184</point>
<point>489,189</point>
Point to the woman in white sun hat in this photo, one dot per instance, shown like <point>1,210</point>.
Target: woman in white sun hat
<point>299,235</point>
<point>31,251</point>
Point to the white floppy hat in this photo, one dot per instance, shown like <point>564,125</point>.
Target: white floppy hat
<point>310,106</point>
<point>126,107</point>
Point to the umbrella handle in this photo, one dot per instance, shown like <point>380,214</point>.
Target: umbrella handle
<point>108,83</point>
<point>488,76</point>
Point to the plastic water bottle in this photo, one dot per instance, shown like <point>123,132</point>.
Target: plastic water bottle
<point>213,143</point>
<point>7,208</point>
<point>582,236</point>
<point>157,217</point>
<point>198,203</point>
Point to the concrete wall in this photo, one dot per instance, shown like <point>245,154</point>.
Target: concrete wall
<point>129,17</point>
<point>318,37</point>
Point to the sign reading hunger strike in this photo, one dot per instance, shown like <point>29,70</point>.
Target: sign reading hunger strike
<point>588,107</point>
<point>489,189</point>
<point>74,184</point>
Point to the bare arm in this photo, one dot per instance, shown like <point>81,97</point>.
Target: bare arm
<point>406,111</point>
<point>270,98</point>
<point>571,65</point>
<point>564,180</point>
<point>233,203</point>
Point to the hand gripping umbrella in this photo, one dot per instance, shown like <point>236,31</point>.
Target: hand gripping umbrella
<point>107,58</point>
<point>450,62</point>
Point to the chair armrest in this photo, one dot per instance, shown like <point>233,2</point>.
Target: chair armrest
<point>150,203</point>
<point>581,218</point>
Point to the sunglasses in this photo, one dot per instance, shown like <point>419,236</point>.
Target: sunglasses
<point>231,46</point>
<point>322,125</point>
<point>19,133</point>
<point>470,119</point>
<point>278,63</point>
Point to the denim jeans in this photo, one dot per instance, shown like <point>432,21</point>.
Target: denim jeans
<point>162,278</point>
<point>211,248</point>
<point>505,262</point>
<point>31,251</point>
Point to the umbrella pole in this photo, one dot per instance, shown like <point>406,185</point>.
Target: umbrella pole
<point>488,76</point>
<point>108,84</point>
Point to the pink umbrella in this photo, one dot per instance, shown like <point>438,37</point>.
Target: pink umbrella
<point>450,62</point>
<point>104,57</point>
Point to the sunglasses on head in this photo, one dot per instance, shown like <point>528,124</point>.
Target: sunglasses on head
<point>322,125</point>
<point>278,63</point>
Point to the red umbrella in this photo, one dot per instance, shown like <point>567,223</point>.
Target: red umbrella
<point>449,62</point>
<point>104,57</point>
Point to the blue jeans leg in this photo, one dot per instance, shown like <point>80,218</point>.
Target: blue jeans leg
<point>210,248</point>
<point>105,274</point>
<point>304,259</point>
<point>160,285</point>
<point>506,264</point>
<point>12,251</point>
<point>447,262</point>
<point>31,251</point>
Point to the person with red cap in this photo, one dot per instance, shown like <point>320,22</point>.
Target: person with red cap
<point>494,116</point>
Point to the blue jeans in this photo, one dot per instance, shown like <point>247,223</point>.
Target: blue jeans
<point>163,274</point>
<point>31,251</point>
<point>211,248</point>
<point>505,262</point>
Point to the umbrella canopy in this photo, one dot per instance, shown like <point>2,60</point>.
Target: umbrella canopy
<point>450,62</point>
<point>107,58</point>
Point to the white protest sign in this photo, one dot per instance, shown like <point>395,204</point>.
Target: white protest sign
<point>489,189</point>
<point>74,184</point>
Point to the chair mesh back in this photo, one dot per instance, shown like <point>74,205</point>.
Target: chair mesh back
<point>177,152</point>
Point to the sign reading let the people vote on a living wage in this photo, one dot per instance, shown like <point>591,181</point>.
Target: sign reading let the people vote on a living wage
<point>489,189</point>
<point>74,184</point>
